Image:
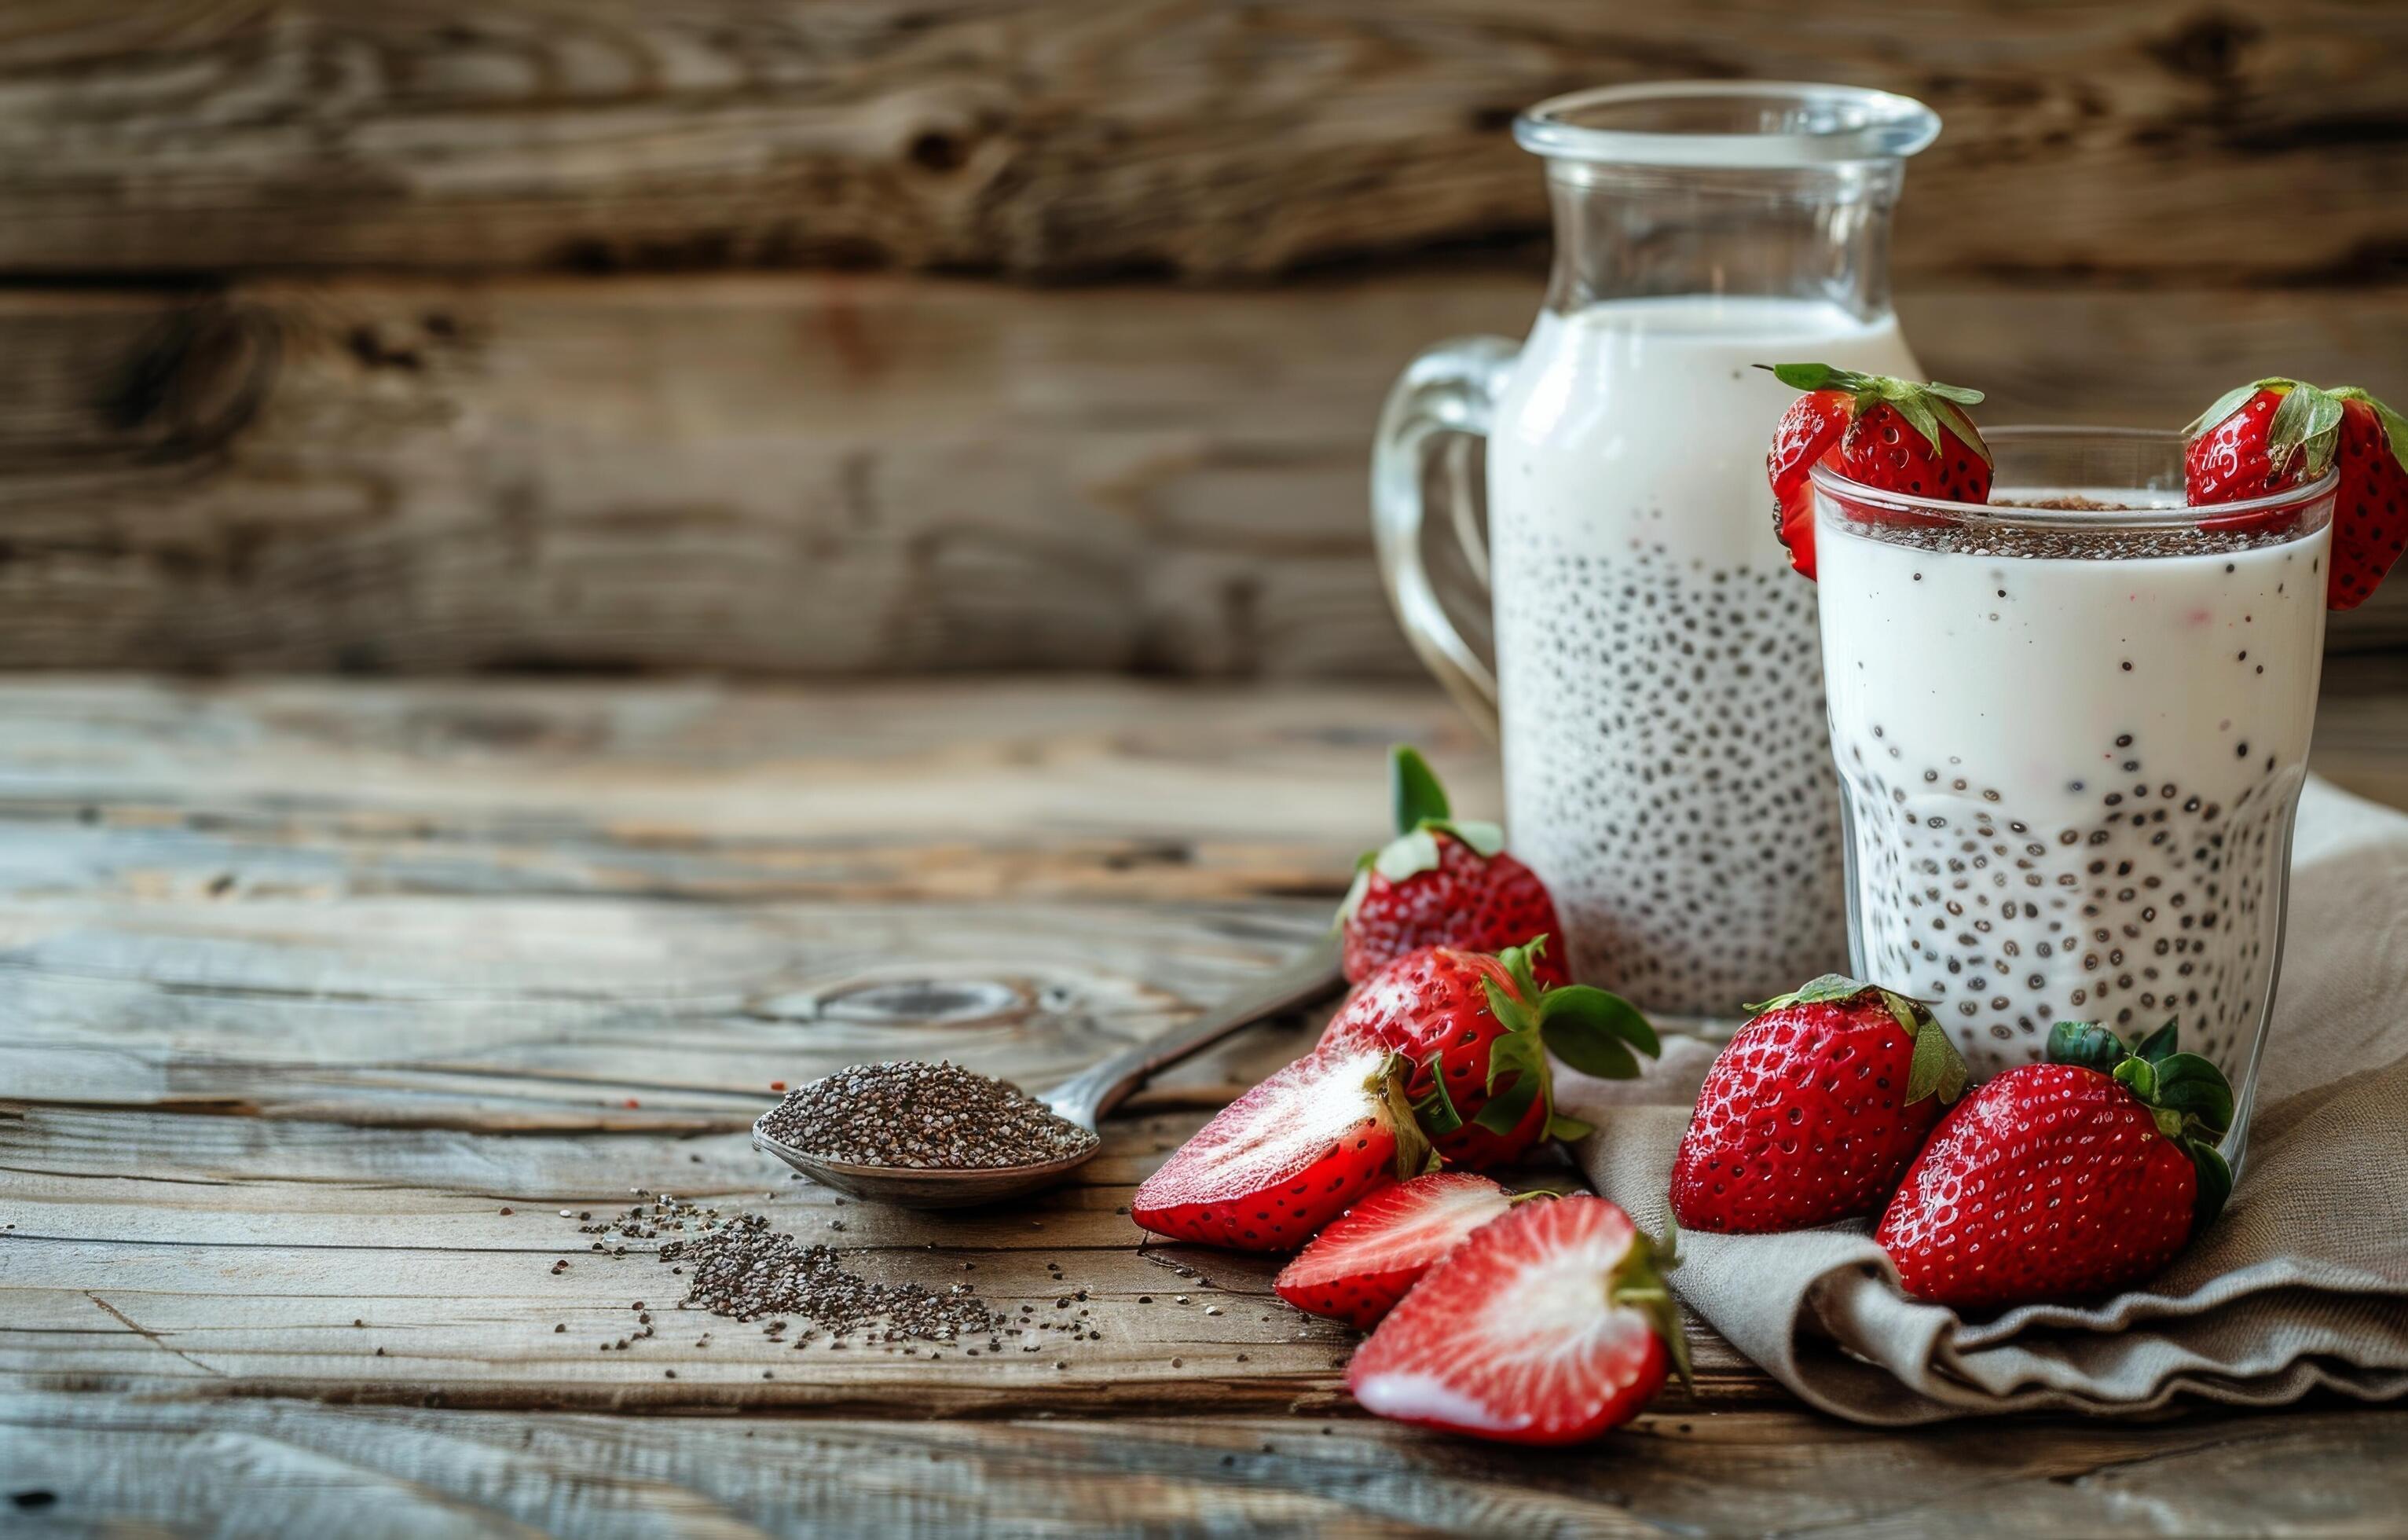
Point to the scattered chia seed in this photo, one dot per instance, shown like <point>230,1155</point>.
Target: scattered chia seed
<point>925,1116</point>
<point>737,1267</point>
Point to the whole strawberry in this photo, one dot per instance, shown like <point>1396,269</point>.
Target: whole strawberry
<point>1441,882</point>
<point>2066,1179</point>
<point>1896,435</point>
<point>2272,435</point>
<point>1477,1030</point>
<point>1813,1109</point>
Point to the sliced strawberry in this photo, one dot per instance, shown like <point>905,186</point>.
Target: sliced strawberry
<point>1442,881</point>
<point>1548,1325</point>
<point>1287,1158</point>
<point>1898,435</point>
<point>1360,1266</point>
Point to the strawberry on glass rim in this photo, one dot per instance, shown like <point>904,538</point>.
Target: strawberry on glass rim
<point>1875,430</point>
<point>1442,881</point>
<point>1549,1326</point>
<point>2274,434</point>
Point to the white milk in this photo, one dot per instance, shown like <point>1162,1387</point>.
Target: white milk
<point>2070,777</point>
<point>1667,766</point>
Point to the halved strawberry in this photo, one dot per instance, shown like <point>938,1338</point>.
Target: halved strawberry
<point>1287,1158</point>
<point>1898,435</point>
<point>2274,434</point>
<point>1357,1268</point>
<point>1548,1325</point>
<point>1442,881</point>
<point>1478,1030</point>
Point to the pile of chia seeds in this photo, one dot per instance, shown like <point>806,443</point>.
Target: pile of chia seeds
<point>735,1265</point>
<point>928,1116</point>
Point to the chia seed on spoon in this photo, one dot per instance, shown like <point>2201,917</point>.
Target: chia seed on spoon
<point>922,1116</point>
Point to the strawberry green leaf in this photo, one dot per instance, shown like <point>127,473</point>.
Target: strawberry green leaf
<point>2215,1184</point>
<point>1586,1007</point>
<point>2159,1043</point>
<point>1486,839</point>
<point>1813,376</point>
<point>1590,1049</point>
<point>1568,1128</point>
<point>2232,401</point>
<point>2307,422</point>
<point>1435,1112</point>
<point>1516,1053</point>
<point>1354,891</point>
<point>2140,1077</point>
<point>1414,788</point>
<point>1813,992</point>
<point>1407,855</point>
<point>2081,1042</point>
<point>1952,418</point>
<point>2395,427</point>
<point>1505,1109</point>
<point>2194,1087</point>
<point>1963,395</point>
<point>1937,1068</point>
<point>1919,415</point>
<point>1638,1284</point>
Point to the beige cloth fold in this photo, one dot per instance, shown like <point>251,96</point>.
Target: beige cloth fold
<point>2302,1283</point>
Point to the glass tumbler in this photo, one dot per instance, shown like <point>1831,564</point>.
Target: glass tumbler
<point>2071,727</point>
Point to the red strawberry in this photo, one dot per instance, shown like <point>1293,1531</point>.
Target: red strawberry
<point>1357,1268</point>
<point>2272,435</point>
<point>1813,1109</point>
<point>1441,882</point>
<point>1548,1325</point>
<point>1477,1030</point>
<point>1287,1158</point>
<point>2061,1180</point>
<point>1877,431</point>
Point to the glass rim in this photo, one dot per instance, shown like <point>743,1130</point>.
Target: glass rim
<point>2006,515</point>
<point>1864,125</point>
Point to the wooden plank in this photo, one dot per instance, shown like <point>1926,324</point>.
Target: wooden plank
<point>836,475</point>
<point>1047,137</point>
<point>258,1466</point>
<point>163,1253</point>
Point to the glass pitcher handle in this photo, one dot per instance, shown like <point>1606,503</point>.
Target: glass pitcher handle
<point>1451,388</point>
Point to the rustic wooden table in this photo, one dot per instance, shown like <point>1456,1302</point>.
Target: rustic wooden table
<point>321,1002</point>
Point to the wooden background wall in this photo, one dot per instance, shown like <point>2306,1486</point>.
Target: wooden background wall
<point>894,335</point>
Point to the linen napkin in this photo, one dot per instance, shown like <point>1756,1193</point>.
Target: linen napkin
<point>2302,1283</point>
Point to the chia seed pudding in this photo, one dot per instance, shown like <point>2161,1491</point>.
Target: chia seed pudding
<point>1667,768</point>
<point>924,1116</point>
<point>2071,756</point>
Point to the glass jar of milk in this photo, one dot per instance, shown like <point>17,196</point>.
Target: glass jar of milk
<point>1657,685</point>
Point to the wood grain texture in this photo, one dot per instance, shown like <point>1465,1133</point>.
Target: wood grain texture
<point>1049,138</point>
<point>834,475</point>
<point>255,1466</point>
<point>303,983</point>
